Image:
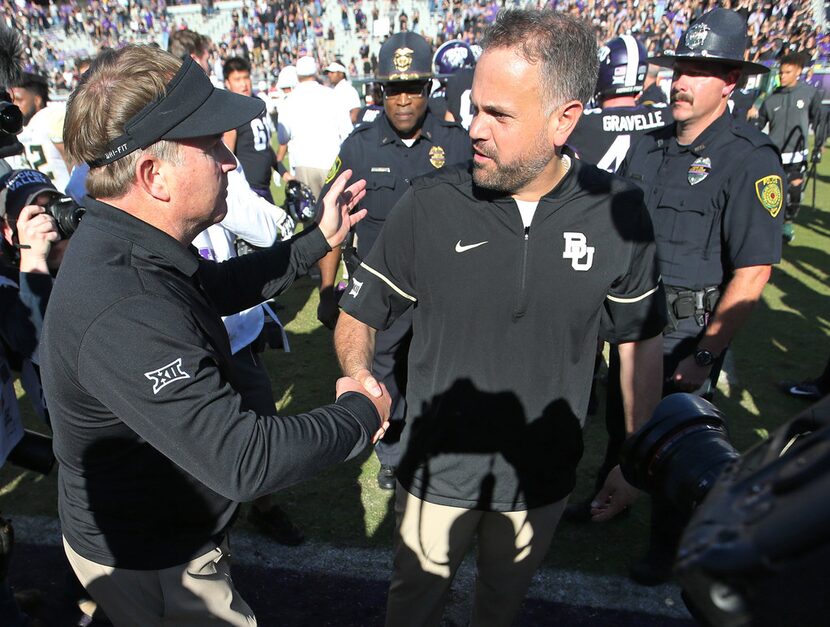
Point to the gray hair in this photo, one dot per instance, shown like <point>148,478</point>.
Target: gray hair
<point>564,46</point>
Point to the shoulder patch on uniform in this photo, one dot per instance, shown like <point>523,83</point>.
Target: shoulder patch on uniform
<point>770,192</point>
<point>335,168</point>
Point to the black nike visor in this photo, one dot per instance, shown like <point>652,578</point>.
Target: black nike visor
<point>191,107</point>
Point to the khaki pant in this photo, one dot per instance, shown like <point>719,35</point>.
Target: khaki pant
<point>194,594</point>
<point>431,541</point>
<point>312,177</point>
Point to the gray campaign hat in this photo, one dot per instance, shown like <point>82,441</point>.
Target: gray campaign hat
<point>718,36</point>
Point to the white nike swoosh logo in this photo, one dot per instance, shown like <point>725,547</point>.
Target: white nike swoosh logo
<point>460,249</point>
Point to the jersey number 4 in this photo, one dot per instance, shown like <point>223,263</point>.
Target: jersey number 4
<point>614,156</point>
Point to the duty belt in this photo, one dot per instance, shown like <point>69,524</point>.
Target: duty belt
<point>684,303</point>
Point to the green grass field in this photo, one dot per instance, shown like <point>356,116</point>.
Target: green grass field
<point>788,336</point>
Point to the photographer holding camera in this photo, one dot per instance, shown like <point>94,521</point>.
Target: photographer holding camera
<point>32,246</point>
<point>32,249</point>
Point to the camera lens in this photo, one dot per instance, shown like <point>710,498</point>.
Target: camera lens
<point>11,119</point>
<point>680,452</point>
<point>67,214</point>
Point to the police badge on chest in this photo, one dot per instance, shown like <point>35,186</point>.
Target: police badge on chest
<point>699,170</point>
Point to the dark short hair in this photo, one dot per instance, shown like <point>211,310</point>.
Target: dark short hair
<point>564,46</point>
<point>235,64</point>
<point>792,58</point>
<point>35,83</point>
<point>185,42</point>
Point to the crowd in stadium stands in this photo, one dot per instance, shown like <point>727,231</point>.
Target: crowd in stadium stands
<point>274,34</point>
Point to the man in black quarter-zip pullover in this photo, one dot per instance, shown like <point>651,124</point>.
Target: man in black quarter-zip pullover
<point>156,447</point>
<point>512,270</point>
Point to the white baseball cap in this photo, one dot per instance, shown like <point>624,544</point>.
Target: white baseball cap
<point>336,67</point>
<point>287,78</point>
<point>306,66</point>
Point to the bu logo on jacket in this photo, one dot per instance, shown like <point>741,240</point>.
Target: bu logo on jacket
<point>576,249</point>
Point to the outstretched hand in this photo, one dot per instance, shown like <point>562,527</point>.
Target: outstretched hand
<point>614,497</point>
<point>336,218</point>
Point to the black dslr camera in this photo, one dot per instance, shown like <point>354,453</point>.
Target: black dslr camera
<point>11,119</point>
<point>67,214</point>
<point>11,123</point>
<point>757,547</point>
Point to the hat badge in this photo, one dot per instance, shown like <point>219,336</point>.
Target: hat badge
<point>402,59</point>
<point>696,36</point>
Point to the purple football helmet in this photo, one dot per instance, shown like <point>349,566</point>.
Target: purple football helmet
<point>299,202</point>
<point>452,56</point>
<point>623,62</point>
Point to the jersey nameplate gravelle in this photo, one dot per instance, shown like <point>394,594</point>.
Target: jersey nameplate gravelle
<point>603,136</point>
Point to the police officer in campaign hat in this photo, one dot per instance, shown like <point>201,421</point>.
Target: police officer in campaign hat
<point>714,188</point>
<point>406,141</point>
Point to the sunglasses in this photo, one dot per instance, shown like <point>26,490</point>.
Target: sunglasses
<point>413,89</point>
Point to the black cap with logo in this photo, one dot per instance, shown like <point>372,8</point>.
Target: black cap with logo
<point>405,56</point>
<point>716,36</point>
<point>19,188</point>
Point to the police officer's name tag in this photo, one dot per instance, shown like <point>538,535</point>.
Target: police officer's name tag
<point>699,170</point>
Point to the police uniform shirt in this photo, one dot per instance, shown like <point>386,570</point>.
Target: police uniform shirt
<point>505,323</point>
<point>376,153</point>
<point>715,204</point>
<point>368,114</point>
<point>253,149</point>
<point>154,445</point>
<point>603,136</point>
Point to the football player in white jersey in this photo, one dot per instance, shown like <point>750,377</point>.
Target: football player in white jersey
<point>42,134</point>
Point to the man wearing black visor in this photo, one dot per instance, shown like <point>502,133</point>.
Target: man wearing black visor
<point>156,448</point>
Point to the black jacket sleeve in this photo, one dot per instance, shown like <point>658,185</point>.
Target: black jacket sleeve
<point>164,383</point>
<point>245,281</point>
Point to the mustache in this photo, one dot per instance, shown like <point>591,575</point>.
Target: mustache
<point>678,97</point>
<point>478,146</point>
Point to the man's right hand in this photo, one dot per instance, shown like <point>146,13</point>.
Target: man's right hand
<point>364,383</point>
<point>336,219</point>
<point>36,233</point>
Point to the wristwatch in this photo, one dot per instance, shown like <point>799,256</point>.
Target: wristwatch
<point>704,357</point>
